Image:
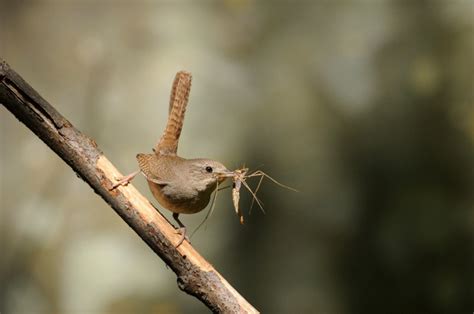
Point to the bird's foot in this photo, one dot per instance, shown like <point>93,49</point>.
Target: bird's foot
<point>182,232</point>
<point>125,180</point>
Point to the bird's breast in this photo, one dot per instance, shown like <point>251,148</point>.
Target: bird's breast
<point>180,199</point>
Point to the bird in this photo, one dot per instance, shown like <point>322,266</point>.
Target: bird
<point>182,186</point>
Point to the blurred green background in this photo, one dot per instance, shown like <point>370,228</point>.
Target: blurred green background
<point>366,107</point>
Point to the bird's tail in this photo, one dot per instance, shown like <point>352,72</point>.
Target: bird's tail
<point>168,144</point>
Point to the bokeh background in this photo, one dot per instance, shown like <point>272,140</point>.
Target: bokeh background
<point>366,107</point>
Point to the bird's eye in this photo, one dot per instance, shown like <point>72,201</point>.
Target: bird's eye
<point>209,169</point>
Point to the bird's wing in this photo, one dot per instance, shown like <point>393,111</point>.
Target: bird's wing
<point>147,164</point>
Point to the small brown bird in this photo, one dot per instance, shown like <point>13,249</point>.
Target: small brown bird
<point>183,186</point>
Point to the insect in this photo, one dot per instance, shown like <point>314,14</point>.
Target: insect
<point>239,177</point>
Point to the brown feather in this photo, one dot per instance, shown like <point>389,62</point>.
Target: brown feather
<point>168,144</point>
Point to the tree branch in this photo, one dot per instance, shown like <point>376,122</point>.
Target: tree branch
<point>194,274</point>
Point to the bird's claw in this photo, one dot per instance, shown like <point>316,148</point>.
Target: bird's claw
<point>124,181</point>
<point>182,232</point>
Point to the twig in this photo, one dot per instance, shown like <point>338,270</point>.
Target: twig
<point>194,274</point>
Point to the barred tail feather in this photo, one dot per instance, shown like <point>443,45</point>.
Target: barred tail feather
<point>168,144</point>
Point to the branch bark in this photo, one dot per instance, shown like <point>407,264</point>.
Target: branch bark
<point>194,274</point>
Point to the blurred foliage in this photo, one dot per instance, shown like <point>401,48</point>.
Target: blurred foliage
<point>365,107</point>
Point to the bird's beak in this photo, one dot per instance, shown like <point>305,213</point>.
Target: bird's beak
<point>228,173</point>
<point>225,174</point>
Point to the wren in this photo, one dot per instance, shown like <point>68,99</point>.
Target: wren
<point>183,186</point>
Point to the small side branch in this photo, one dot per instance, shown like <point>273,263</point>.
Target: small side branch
<point>194,274</point>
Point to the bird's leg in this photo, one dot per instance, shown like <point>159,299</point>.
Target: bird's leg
<point>125,180</point>
<point>181,230</point>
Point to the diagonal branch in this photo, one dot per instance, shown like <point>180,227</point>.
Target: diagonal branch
<point>194,274</point>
